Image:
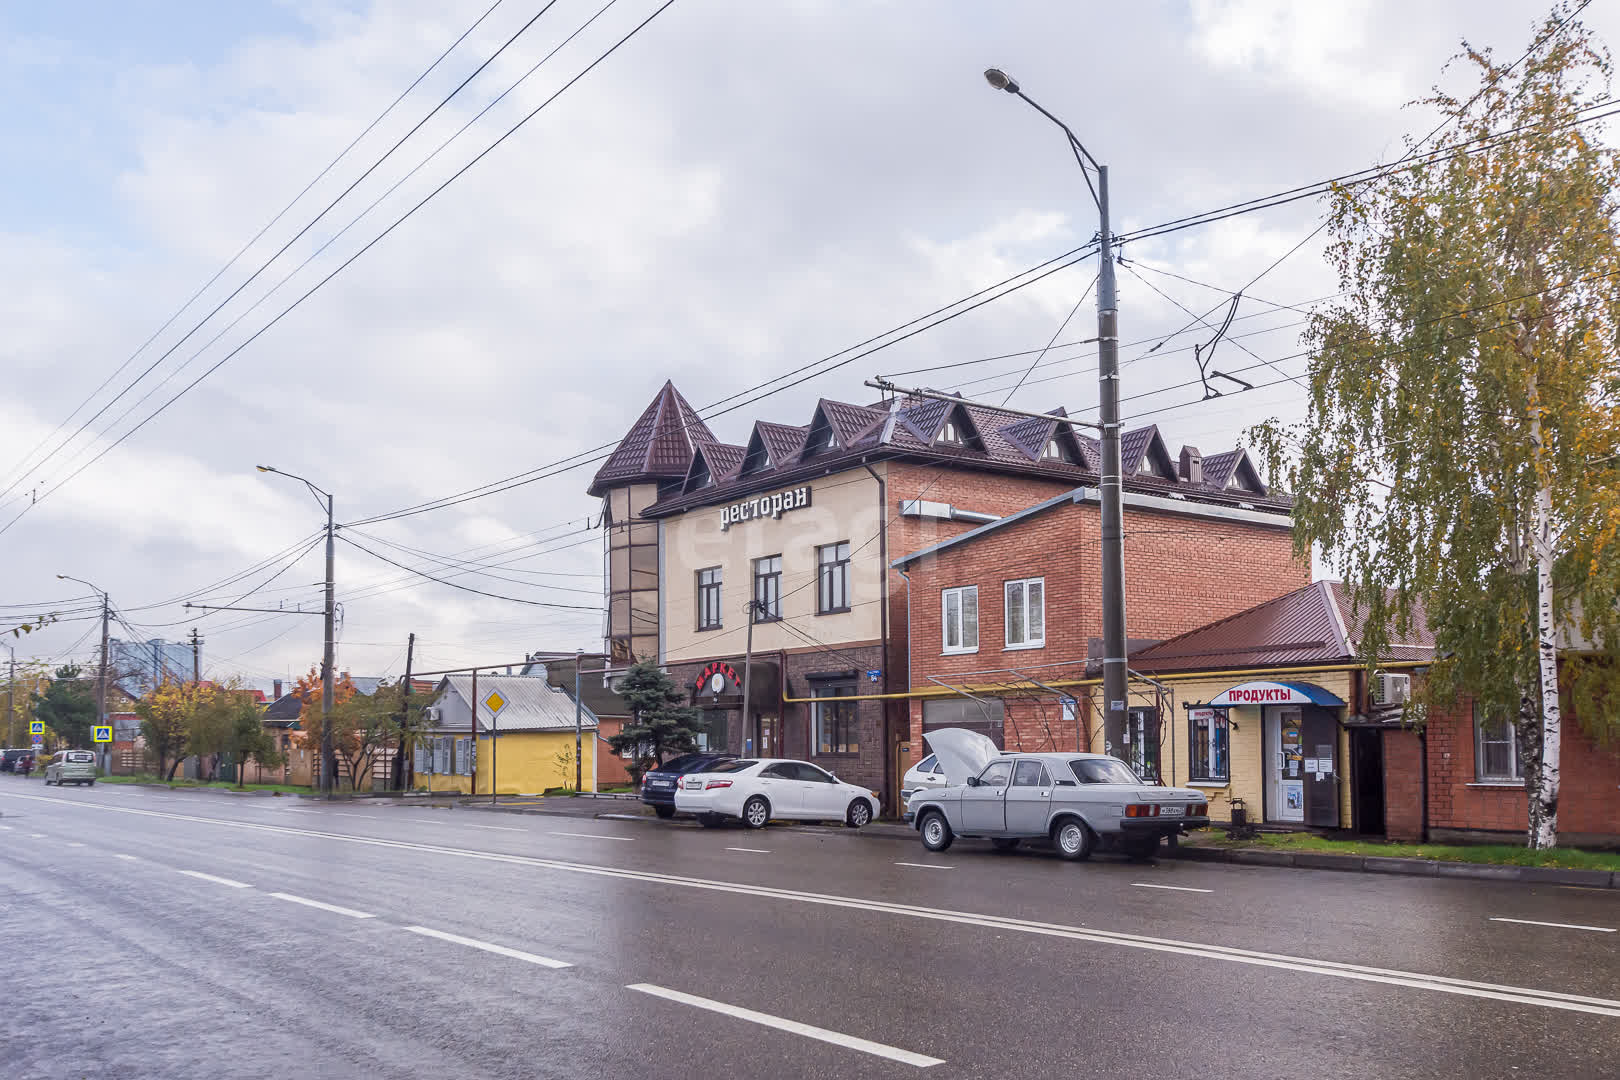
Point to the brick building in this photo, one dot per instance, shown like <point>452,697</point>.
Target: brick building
<point>773,561</point>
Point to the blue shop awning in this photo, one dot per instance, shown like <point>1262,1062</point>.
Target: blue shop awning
<point>1275,693</point>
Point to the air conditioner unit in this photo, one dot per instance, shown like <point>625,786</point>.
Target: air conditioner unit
<point>430,715</point>
<point>1390,688</point>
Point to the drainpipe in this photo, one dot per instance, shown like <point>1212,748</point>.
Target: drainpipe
<point>883,619</point>
<point>907,576</point>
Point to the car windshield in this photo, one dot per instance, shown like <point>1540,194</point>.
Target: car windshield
<point>734,766</point>
<point>1103,771</point>
<point>682,763</point>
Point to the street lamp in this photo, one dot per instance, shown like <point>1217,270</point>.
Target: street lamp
<point>101,693</point>
<point>328,759</point>
<point>1115,660</point>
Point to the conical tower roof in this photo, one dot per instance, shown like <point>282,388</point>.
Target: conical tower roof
<point>658,445</point>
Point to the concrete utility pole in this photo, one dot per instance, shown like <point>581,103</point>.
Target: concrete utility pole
<point>196,657</point>
<point>1115,660</point>
<point>328,657</point>
<point>579,726</point>
<point>400,781</point>
<point>11,700</point>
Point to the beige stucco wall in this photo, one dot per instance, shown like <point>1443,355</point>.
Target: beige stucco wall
<point>843,506</point>
<point>1247,777</point>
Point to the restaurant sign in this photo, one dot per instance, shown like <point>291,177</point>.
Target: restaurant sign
<point>773,505</point>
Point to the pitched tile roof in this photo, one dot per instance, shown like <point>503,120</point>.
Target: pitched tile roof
<point>854,424</point>
<point>724,458</point>
<point>1132,445</point>
<point>1311,625</point>
<point>781,441</point>
<point>532,703</point>
<point>658,445</point>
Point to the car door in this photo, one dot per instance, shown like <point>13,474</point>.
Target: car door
<point>780,784</point>
<point>824,796</point>
<point>1029,798</point>
<point>984,805</point>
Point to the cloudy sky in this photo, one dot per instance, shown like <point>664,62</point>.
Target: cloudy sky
<point>742,189</point>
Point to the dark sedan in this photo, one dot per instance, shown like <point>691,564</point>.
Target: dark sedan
<point>658,786</point>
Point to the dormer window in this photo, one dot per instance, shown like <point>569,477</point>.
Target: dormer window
<point>1056,450</point>
<point>756,460</point>
<point>821,437</point>
<point>950,434</point>
<point>700,475</point>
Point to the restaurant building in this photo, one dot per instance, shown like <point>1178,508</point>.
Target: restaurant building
<point>792,563</point>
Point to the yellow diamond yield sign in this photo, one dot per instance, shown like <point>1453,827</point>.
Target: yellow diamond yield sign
<point>494,703</point>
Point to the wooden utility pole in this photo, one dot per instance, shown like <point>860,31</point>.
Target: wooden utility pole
<point>400,765</point>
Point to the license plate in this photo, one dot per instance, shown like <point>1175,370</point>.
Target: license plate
<point>663,783</point>
<point>1172,811</point>
<point>694,785</point>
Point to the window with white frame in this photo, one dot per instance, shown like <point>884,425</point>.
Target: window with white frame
<point>1496,749</point>
<point>960,617</point>
<point>1025,613</point>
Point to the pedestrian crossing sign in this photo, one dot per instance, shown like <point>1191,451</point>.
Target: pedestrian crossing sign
<point>36,727</point>
<point>494,703</point>
<point>101,733</point>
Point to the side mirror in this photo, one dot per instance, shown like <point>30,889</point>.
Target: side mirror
<point>973,781</point>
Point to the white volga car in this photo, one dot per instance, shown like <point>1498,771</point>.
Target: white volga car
<point>755,790</point>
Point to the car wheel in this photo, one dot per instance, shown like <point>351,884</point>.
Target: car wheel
<point>1072,839</point>
<point>1004,843</point>
<point>664,811</point>
<point>936,835</point>
<point>710,821</point>
<point>756,812</point>
<point>858,814</point>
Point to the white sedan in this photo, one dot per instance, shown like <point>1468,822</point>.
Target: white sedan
<point>756,790</point>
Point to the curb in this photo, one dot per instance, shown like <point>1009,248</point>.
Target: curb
<point>1384,864</point>
<point>880,829</point>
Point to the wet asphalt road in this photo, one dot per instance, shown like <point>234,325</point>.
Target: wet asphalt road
<point>145,933</point>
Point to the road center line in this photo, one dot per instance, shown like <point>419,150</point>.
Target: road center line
<point>36,836</point>
<point>753,850</point>
<point>593,836</point>
<point>74,843</point>
<point>7,828</point>
<point>121,855</point>
<point>837,1038</point>
<point>491,828</point>
<point>1176,888</point>
<point>199,875</point>
<point>1558,925</point>
<point>1441,984</point>
<point>499,950</point>
<point>350,912</point>
<point>926,866</point>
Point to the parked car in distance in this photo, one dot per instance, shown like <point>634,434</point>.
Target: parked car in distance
<point>71,767</point>
<point>10,757</point>
<point>1078,802</point>
<point>755,790</point>
<point>926,775</point>
<point>658,785</point>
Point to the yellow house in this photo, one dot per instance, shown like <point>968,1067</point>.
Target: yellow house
<point>524,741</point>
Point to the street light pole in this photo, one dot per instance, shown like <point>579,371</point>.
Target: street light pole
<point>328,657</point>
<point>1115,659</point>
<point>101,690</point>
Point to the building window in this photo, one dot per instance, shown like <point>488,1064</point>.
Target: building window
<point>1207,738</point>
<point>961,619</point>
<point>1026,613</point>
<point>832,578</point>
<point>950,433</point>
<point>834,720</point>
<point>1142,734</point>
<point>708,596</point>
<point>768,588</point>
<point>1496,750</point>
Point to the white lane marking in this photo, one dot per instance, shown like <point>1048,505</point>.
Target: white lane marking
<point>754,850</point>
<point>837,1038</point>
<point>500,950</point>
<point>926,865</point>
<point>199,875</point>
<point>7,828</point>
<point>1559,925</point>
<point>307,902</point>
<point>36,836</point>
<point>1175,888</point>
<point>593,836</point>
<point>74,843</point>
<point>491,828</point>
<point>1440,984</point>
<point>126,858</point>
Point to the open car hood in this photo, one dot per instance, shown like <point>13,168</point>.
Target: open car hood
<point>961,753</point>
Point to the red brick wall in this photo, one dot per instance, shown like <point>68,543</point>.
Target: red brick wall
<point>1403,788</point>
<point>1180,573</point>
<point>1459,808</point>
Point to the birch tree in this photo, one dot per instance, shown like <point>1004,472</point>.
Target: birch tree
<point>1457,453</point>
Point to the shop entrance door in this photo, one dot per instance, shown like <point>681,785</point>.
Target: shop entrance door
<point>1320,735</point>
<point>1285,787</point>
<point>770,737</point>
<point>1367,778</point>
